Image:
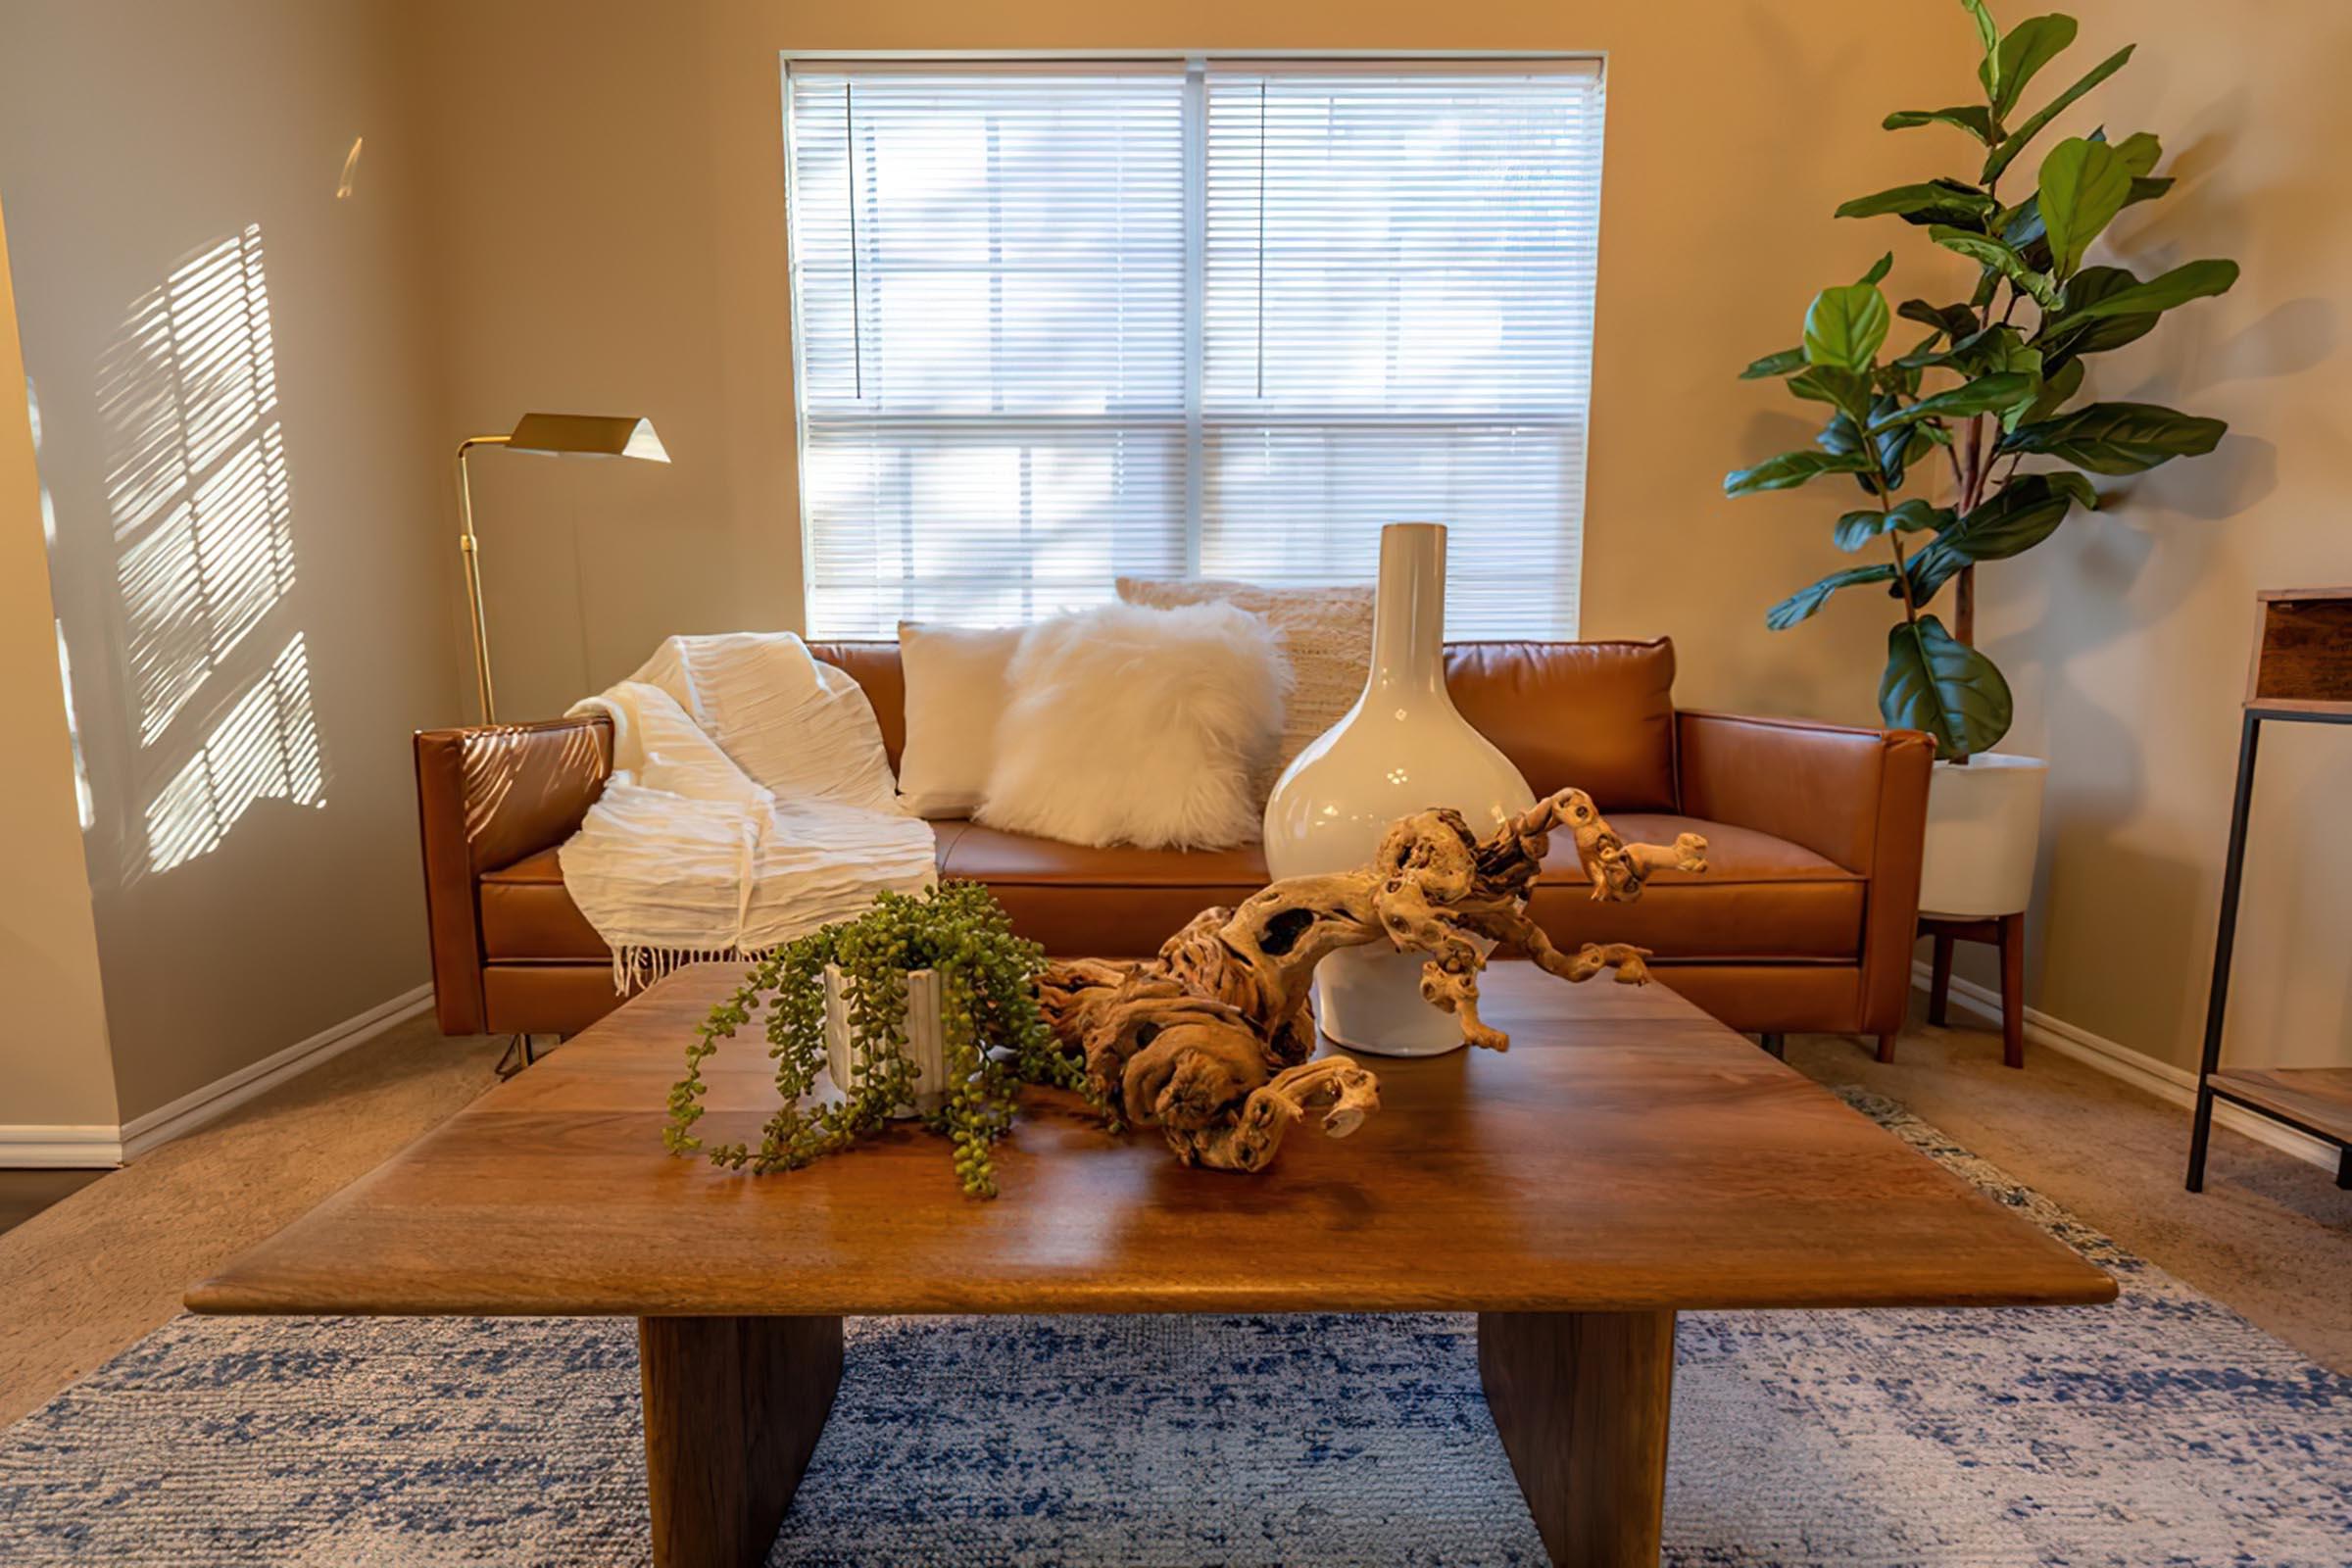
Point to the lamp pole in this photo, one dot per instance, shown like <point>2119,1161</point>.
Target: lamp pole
<point>471,550</point>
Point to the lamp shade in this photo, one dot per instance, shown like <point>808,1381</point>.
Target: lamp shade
<point>588,436</point>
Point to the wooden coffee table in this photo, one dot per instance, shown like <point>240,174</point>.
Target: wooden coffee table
<point>1628,1158</point>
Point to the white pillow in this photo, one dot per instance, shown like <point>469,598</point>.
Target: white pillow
<point>1326,634</point>
<point>1131,725</point>
<point>956,694</point>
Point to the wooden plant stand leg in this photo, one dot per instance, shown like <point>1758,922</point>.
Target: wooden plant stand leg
<point>2005,933</point>
<point>733,1406</point>
<point>2013,989</point>
<point>1939,986</point>
<point>1581,1400</point>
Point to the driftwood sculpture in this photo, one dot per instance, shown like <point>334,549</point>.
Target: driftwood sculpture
<point>1210,1040</point>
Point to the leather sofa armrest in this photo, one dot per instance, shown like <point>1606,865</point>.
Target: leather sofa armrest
<point>486,797</point>
<point>1857,797</point>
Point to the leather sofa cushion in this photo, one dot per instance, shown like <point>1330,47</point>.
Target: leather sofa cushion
<point>1119,903</point>
<point>1763,899</point>
<point>526,913</point>
<point>1597,716</point>
<point>982,854</point>
<point>1760,898</point>
<point>875,668</point>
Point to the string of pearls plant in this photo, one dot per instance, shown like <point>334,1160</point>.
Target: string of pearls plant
<point>996,1038</point>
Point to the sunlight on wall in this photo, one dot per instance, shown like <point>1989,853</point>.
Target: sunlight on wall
<point>85,804</point>
<point>266,747</point>
<point>202,515</point>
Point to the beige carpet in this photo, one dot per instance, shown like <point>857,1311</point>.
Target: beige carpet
<point>2272,1236</point>
<point>99,1270</point>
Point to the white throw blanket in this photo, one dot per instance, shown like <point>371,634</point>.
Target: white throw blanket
<point>750,802</point>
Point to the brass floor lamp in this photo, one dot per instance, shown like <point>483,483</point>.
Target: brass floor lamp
<point>564,435</point>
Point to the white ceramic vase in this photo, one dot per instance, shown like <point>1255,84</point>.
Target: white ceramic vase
<point>1401,748</point>
<point>926,1042</point>
<point>1983,829</point>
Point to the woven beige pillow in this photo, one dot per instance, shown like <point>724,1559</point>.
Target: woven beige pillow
<point>1326,632</point>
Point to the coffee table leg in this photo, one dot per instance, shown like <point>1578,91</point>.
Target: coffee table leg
<point>1581,1399</point>
<point>733,1406</point>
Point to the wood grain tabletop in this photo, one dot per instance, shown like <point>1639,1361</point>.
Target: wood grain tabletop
<point>1627,1154</point>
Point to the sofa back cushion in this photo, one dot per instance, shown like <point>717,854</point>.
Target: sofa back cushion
<point>876,667</point>
<point>1595,715</point>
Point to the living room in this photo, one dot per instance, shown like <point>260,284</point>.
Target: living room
<point>356,1118</point>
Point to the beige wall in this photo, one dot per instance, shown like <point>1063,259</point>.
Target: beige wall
<point>55,1070</point>
<point>612,238</point>
<point>253,592</point>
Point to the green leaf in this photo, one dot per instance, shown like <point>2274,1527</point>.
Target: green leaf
<point>2021,227</point>
<point>1834,386</point>
<point>1858,528</point>
<point>1971,118</point>
<point>1772,364</point>
<point>1955,322</point>
<point>1938,683</point>
<point>1879,270</point>
<point>2030,45</point>
<point>2146,190</point>
<point>2056,388</point>
<point>1941,201</point>
<point>1792,468</point>
<point>2015,142</point>
<point>2070,331</point>
<point>2118,437</point>
<point>2139,152</point>
<point>2015,518</point>
<point>1983,395</point>
<point>1845,325</point>
<point>1999,348</point>
<point>1998,259</point>
<point>2192,280</point>
<point>1989,39</point>
<point>1801,605</point>
<point>2083,185</point>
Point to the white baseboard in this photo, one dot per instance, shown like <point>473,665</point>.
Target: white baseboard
<point>60,1148</point>
<point>2176,1085</point>
<point>101,1147</point>
<point>191,1111</point>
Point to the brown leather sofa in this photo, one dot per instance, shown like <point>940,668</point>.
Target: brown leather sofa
<point>1803,921</point>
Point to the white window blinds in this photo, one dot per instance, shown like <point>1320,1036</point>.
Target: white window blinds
<point>1056,324</point>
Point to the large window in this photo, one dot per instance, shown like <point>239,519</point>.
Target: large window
<point>1060,322</point>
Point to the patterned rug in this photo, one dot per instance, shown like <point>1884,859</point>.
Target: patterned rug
<point>2163,1430</point>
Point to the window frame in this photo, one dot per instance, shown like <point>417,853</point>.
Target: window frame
<point>1194,64</point>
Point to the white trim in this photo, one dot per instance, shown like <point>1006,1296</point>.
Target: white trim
<point>2176,1086</point>
<point>142,1135</point>
<point>60,1148</point>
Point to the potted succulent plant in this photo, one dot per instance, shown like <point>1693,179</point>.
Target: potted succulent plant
<point>1983,409</point>
<point>925,1005</point>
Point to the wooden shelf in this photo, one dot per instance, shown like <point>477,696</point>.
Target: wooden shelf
<point>2318,1100</point>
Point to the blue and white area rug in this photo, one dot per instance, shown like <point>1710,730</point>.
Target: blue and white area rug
<point>2163,1430</point>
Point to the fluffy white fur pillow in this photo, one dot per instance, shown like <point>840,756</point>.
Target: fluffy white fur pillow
<point>1326,634</point>
<point>1132,725</point>
<point>956,695</point>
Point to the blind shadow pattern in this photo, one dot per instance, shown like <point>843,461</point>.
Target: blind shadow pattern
<point>216,682</point>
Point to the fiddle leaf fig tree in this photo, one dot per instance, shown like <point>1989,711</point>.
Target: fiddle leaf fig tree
<point>1992,384</point>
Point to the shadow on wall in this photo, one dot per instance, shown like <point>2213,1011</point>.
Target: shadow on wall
<point>215,678</point>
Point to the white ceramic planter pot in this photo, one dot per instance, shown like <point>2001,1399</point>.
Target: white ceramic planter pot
<point>1983,828</point>
<point>1401,748</point>
<point>926,1044</point>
